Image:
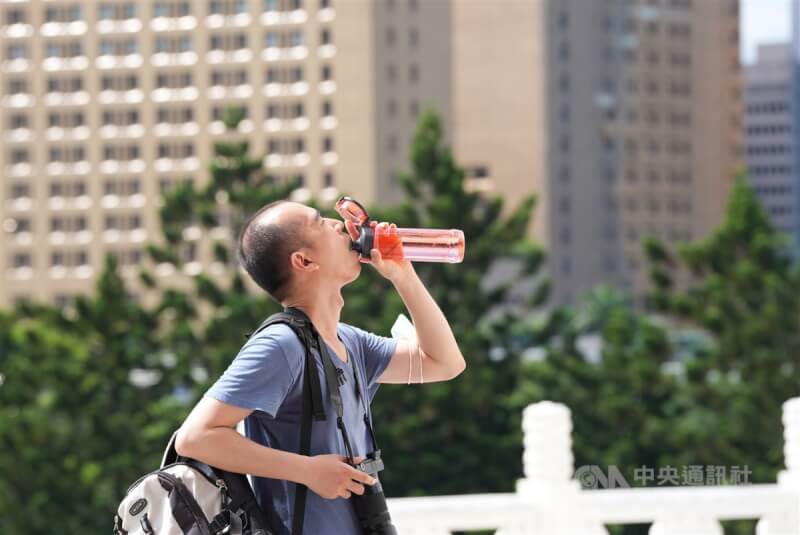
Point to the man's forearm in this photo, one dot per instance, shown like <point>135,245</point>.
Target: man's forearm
<point>434,334</point>
<point>225,448</point>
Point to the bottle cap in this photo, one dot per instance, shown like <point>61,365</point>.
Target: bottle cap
<point>352,210</point>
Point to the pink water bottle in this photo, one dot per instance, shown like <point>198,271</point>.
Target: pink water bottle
<point>415,244</point>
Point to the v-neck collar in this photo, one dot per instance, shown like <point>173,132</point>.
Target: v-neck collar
<point>335,354</point>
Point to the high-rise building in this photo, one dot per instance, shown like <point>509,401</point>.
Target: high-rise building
<point>622,116</point>
<point>633,124</point>
<point>106,105</point>
<point>770,133</point>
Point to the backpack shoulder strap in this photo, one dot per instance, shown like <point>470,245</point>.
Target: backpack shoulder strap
<point>313,407</point>
<point>304,330</point>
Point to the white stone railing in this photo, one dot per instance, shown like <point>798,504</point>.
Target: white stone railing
<point>549,502</point>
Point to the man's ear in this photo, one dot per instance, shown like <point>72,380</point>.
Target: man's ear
<point>302,262</point>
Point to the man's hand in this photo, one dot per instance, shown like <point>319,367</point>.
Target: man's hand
<point>331,477</point>
<point>394,270</point>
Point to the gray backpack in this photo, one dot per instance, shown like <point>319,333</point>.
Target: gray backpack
<point>187,497</point>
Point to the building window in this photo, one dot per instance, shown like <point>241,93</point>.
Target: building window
<point>63,14</point>
<point>21,260</point>
<point>327,72</point>
<point>175,151</point>
<point>15,16</point>
<point>175,80</point>
<point>126,82</point>
<point>327,108</point>
<point>325,36</point>
<point>413,37</point>
<point>413,109</point>
<point>227,7</point>
<point>16,52</point>
<point>327,180</point>
<point>173,45</point>
<point>65,119</point>
<point>175,115</point>
<point>70,84</point>
<point>17,121</point>
<point>125,47</point>
<point>121,152</point>
<point>228,78</point>
<point>20,190</point>
<point>327,144</point>
<point>172,9</point>
<point>413,73</point>
<point>64,50</point>
<point>19,156</point>
<point>228,43</point>
<point>107,11</point>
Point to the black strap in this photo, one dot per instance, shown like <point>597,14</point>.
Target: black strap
<point>185,509</point>
<point>301,491</point>
<point>332,380</point>
<point>313,407</point>
<point>118,529</point>
<point>297,320</point>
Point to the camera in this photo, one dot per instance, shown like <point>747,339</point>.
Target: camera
<point>371,509</point>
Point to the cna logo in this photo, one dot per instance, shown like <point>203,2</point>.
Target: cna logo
<point>593,477</point>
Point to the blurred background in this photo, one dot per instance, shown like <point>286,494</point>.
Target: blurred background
<point>626,173</point>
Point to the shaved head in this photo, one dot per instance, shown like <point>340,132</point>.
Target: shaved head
<point>267,240</point>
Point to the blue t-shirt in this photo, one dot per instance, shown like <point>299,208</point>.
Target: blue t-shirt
<point>266,377</point>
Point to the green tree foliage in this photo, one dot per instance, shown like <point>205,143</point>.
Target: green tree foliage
<point>607,362</point>
<point>744,293</point>
<point>74,428</point>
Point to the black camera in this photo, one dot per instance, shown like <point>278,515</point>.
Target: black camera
<point>371,509</point>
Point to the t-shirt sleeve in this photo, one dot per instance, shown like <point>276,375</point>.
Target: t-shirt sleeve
<point>378,352</point>
<point>261,375</point>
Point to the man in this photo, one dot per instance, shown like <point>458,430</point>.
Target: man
<point>304,260</point>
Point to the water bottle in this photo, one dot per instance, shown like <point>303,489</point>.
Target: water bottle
<point>415,244</point>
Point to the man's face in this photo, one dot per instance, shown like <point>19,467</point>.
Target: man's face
<point>328,243</point>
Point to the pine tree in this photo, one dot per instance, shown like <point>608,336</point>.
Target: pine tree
<point>743,294</point>
<point>85,403</point>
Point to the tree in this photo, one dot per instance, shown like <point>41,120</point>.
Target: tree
<point>744,292</point>
<point>85,403</point>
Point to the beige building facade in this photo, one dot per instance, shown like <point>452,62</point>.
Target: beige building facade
<point>107,105</point>
<point>621,117</point>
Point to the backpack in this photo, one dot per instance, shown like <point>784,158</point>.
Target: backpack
<point>188,497</point>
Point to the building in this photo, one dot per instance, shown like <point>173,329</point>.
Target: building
<point>634,125</point>
<point>769,130</point>
<point>106,105</point>
<point>621,116</point>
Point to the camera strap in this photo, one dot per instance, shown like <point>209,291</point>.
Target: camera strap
<point>332,378</point>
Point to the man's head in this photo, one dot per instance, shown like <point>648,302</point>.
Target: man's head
<point>287,245</point>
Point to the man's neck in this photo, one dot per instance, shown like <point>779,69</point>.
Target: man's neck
<point>323,308</point>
